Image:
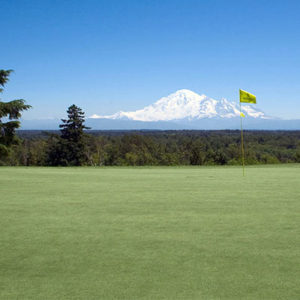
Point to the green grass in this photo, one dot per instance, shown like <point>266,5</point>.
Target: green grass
<point>150,233</point>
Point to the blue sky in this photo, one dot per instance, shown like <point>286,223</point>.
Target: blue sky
<point>113,55</point>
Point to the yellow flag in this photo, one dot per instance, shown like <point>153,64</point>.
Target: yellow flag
<point>242,115</point>
<point>247,97</point>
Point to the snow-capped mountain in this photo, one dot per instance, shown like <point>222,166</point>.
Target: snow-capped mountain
<point>182,110</point>
<point>188,105</point>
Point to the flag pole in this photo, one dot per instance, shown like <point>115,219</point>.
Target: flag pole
<point>242,140</point>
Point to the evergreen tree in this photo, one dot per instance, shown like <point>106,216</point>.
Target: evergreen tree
<point>11,111</point>
<point>71,147</point>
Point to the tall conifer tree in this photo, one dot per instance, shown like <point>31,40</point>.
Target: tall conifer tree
<point>71,148</point>
<point>12,111</point>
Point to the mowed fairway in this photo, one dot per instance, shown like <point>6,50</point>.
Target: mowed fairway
<point>150,233</point>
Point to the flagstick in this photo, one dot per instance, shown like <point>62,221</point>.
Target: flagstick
<point>242,141</point>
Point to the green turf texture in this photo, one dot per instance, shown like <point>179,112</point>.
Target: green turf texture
<point>150,233</point>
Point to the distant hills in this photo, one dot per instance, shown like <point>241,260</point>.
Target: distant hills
<point>183,109</point>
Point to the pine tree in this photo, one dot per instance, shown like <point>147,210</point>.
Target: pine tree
<point>12,111</point>
<point>71,148</point>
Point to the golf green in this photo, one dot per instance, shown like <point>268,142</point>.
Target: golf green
<point>150,233</point>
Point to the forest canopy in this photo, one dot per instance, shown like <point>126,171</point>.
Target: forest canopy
<point>151,148</point>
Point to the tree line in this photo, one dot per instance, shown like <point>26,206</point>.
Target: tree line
<point>77,145</point>
<point>153,148</point>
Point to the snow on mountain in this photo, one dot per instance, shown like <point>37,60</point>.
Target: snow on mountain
<point>185,104</point>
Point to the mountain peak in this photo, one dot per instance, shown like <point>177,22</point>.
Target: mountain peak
<point>185,92</point>
<point>186,104</point>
